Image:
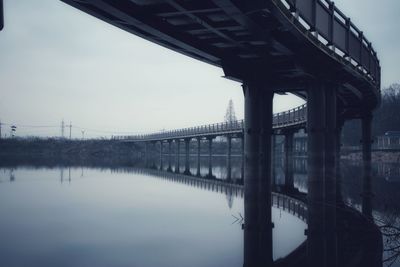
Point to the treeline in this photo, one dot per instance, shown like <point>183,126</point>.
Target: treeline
<point>56,148</point>
<point>386,117</point>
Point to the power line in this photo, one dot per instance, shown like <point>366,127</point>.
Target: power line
<point>30,126</point>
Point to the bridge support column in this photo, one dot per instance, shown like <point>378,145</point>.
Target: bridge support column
<point>330,176</point>
<point>242,147</point>
<point>210,156</point>
<point>178,151</point>
<point>198,156</point>
<point>321,129</point>
<point>228,157</point>
<point>169,155</point>
<point>161,154</point>
<point>273,160</point>
<point>146,153</point>
<point>257,176</point>
<point>339,197</point>
<point>187,156</point>
<point>367,168</point>
<point>288,147</point>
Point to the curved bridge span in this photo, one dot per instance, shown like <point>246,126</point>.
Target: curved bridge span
<point>292,119</point>
<point>306,47</point>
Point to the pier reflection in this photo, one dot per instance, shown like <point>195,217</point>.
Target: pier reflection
<point>329,241</point>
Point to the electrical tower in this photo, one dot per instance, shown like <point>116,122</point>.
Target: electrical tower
<point>230,115</point>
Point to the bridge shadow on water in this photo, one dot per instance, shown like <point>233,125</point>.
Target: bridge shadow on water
<point>355,240</point>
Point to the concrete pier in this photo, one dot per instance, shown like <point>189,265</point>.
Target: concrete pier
<point>330,176</point>
<point>367,194</point>
<point>187,156</point>
<point>210,139</point>
<point>316,126</point>
<point>198,156</point>
<point>228,157</point>
<point>169,155</point>
<point>257,176</point>
<point>289,176</point>
<point>161,154</point>
<point>178,157</point>
<point>339,197</point>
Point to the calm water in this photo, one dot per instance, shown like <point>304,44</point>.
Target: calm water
<point>120,217</point>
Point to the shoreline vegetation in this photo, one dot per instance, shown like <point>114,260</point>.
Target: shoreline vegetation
<point>112,149</point>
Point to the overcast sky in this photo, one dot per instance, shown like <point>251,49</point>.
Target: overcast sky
<point>59,63</point>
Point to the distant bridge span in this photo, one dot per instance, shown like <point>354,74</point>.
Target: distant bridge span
<point>306,47</point>
<point>283,121</point>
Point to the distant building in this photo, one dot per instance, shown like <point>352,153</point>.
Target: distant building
<point>390,140</point>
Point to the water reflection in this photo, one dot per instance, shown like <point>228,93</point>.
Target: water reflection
<point>289,196</point>
<point>123,216</point>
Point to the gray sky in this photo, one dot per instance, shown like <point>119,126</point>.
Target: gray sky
<point>59,63</point>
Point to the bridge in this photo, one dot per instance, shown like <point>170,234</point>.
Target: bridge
<point>285,123</point>
<point>306,47</point>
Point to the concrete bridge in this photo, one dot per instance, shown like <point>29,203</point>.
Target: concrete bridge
<point>306,47</point>
<point>285,123</point>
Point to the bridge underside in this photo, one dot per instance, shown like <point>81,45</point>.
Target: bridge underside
<point>250,40</point>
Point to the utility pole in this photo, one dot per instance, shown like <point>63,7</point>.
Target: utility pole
<point>70,129</point>
<point>62,128</point>
<point>83,134</point>
<point>0,129</point>
<point>13,130</point>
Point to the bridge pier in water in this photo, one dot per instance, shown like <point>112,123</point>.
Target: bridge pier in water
<point>228,157</point>
<point>367,195</point>
<point>321,197</point>
<point>242,150</point>
<point>257,176</point>
<point>210,139</point>
<point>289,176</point>
<point>177,152</point>
<point>187,155</point>
<point>339,197</point>
<point>161,154</point>
<point>198,155</point>
<point>169,155</point>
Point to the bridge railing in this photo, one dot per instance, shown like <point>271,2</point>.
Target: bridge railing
<point>293,116</point>
<point>337,32</point>
<point>287,118</point>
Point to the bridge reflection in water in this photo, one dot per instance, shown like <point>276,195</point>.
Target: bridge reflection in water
<point>336,249</point>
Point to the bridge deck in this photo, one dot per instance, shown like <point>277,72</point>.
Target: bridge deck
<point>287,42</point>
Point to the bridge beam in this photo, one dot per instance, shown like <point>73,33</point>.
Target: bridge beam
<point>257,175</point>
